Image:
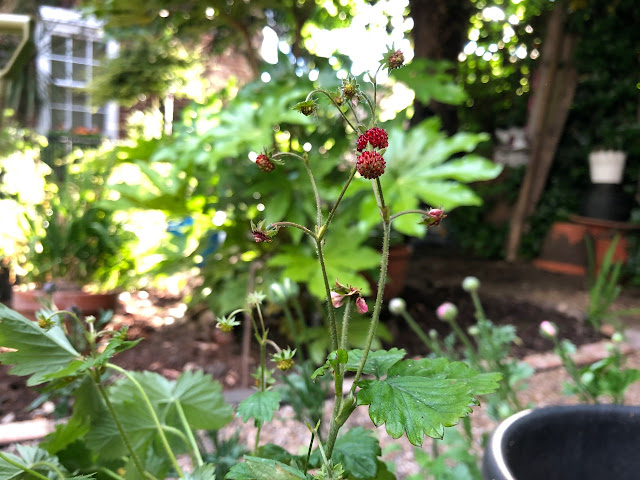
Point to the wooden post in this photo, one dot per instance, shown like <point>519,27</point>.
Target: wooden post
<point>552,96</point>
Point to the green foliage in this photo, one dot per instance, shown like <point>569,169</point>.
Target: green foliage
<point>422,397</point>
<point>39,353</point>
<point>256,468</point>
<point>31,458</point>
<point>69,236</point>
<point>260,406</point>
<point>419,169</point>
<point>455,459</point>
<point>204,472</point>
<point>199,396</point>
<point>358,451</point>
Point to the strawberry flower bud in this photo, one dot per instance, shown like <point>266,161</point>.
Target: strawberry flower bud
<point>361,305</point>
<point>447,312</point>
<point>548,329</point>
<point>341,292</point>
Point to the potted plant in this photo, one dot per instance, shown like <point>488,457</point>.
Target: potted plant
<point>71,243</point>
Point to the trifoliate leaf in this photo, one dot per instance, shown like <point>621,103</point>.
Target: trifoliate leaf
<point>259,406</point>
<point>378,362</point>
<point>204,472</point>
<point>358,451</point>
<point>254,468</point>
<point>421,397</point>
<point>39,352</point>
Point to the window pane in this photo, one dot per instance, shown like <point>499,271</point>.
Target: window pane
<point>97,121</point>
<point>78,120</point>
<point>99,50</point>
<point>58,45</point>
<point>79,48</point>
<point>79,98</point>
<point>58,94</point>
<point>79,73</point>
<point>58,70</point>
<point>58,119</point>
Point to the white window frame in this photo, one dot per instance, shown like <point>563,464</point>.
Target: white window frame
<point>70,24</point>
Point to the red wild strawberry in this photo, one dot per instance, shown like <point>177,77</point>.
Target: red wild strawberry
<point>370,164</point>
<point>377,137</point>
<point>264,163</point>
<point>361,144</point>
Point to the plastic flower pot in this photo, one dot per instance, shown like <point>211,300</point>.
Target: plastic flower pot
<point>577,442</point>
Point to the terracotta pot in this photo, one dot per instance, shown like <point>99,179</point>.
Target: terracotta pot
<point>564,250</point>
<point>28,302</point>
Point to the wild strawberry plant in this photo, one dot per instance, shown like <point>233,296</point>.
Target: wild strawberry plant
<point>133,425</point>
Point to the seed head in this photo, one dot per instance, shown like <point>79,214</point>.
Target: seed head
<point>397,306</point>
<point>470,284</point>
<point>548,329</point>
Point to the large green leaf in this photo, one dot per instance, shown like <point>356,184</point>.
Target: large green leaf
<point>358,451</point>
<point>199,396</point>
<point>260,406</point>
<point>255,468</point>
<point>422,397</point>
<point>378,362</point>
<point>29,456</point>
<point>39,352</point>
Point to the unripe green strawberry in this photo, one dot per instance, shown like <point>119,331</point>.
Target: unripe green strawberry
<point>370,164</point>
<point>264,163</point>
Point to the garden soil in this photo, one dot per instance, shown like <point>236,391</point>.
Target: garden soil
<point>512,293</point>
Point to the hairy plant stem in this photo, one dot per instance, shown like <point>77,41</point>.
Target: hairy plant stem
<point>344,189</point>
<point>334,425</point>
<point>10,461</point>
<point>316,195</point>
<point>324,92</point>
<point>110,473</point>
<point>125,438</point>
<point>189,432</point>
<point>332,317</point>
<point>430,344</point>
<point>50,466</point>
<point>467,343</point>
<point>154,417</point>
<point>386,229</point>
<point>295,225</point>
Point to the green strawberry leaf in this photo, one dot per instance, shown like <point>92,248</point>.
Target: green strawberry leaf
<point>378,362</point>
<point>422,397</point>
<point>255,468</point>
<point>358,451</point>
<point>260,406</point>
<point>31,457</point>
<point>204,472</point>
<point>39,353</point>
<point>202,401</point>
<point>198,394</point>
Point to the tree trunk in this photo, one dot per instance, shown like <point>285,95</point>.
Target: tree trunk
<point>439,33</point>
